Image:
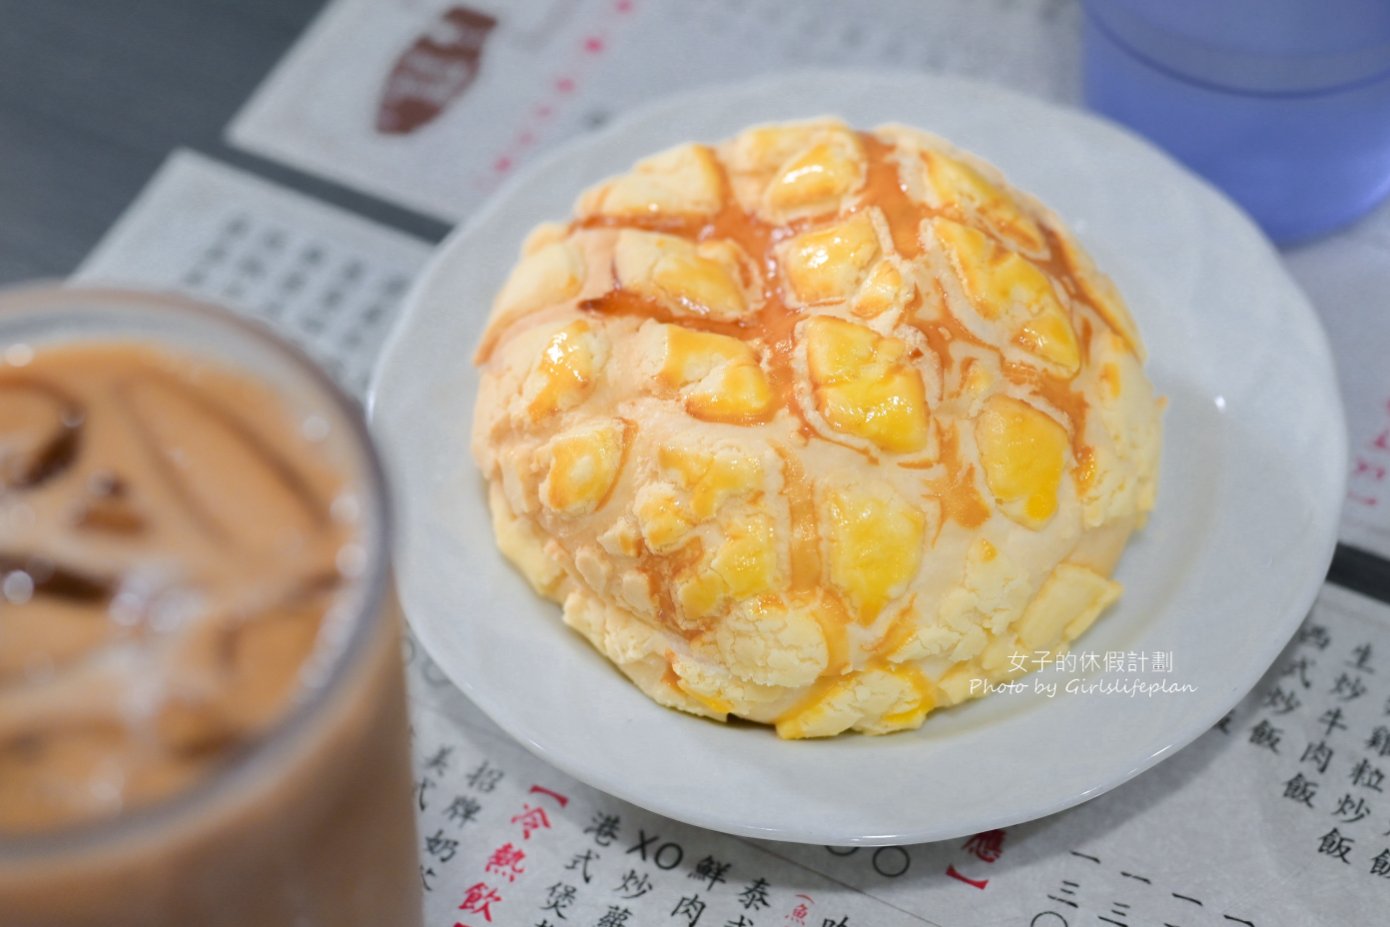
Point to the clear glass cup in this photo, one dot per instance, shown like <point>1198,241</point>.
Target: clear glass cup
<point>1283,104</point>
<point>310,824</point>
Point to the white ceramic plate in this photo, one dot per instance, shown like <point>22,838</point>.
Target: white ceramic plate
<point>1252,482</point>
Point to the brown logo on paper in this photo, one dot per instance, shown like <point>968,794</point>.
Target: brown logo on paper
<point>437,68</point>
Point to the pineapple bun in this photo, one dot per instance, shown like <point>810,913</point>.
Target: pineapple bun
<point>815,427</point>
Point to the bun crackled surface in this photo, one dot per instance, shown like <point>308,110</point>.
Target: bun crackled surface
<point>814,427</point>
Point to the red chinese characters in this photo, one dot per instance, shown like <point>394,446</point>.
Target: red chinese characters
<point>986,847</point>
<point>479,899</point>
<point>505,862</point>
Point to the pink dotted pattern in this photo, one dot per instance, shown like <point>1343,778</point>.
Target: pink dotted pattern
<point>560,90</point>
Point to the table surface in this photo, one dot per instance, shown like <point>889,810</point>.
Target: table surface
<point>95,94</point>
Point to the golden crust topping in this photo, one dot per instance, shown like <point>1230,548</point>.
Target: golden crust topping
<point>681,181</point>
<point>814,427</point>
<point>1024,454</point>
<point>718,376</point>
<point>566,371</point>
<point>829,264</point>
<point>694,279</point>
<point>966,190</point>
<point>1007,289</point>
<point>580,467</point>
<point>875,539</point>
<point>794,171</point>
<point>865,385</point>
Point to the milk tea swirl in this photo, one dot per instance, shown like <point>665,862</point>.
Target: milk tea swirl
<point>172,543</point>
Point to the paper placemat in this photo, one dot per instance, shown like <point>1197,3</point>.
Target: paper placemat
<point>1276,816</point>
<point>1347,278</point>
<point>431,103</point>
<point>327,280</point>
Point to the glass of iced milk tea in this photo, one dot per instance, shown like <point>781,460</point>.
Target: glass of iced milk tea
<point>202,716</point>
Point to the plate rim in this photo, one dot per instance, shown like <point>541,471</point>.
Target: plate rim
<point>1320,356</point>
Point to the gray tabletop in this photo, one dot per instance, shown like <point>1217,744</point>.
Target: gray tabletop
<point>95,93</point>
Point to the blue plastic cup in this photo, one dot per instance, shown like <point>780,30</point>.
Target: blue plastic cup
<point>1284,104</point>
